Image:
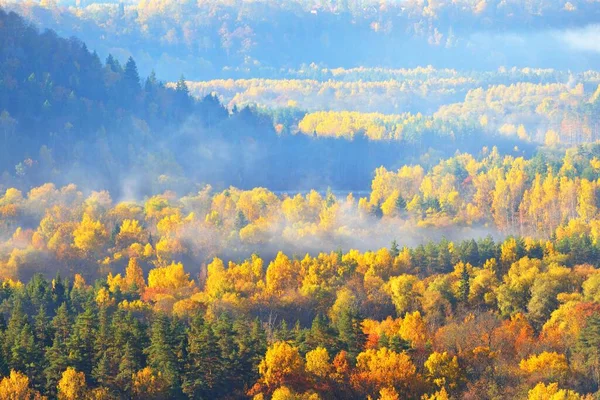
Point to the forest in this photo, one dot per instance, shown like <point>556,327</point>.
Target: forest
<point>299,200</point>
<point>240,38</point>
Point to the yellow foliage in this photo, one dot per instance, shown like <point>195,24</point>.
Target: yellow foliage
<point>443,369</point>
<point>388,393</point>
<point>281,363</point>
<point>90,235</point>
<point>72,385</point>
<point>551,392</point>
<point>414,330</point>
<point>103,298</point>
<point>317,362</point>
<point>172,277</point>
<point>384,367</point>
<point>148,384</point>
<point>549,364</point>
<point>16,387</point>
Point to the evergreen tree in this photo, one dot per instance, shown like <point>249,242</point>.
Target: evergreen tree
<point>12,334</point>
<point>321,334</point>
<point>240,220</point>
<point>464,285</point>
<point>57,355</point>
<point>252,345</point>
<point>103,370</point>
<point>444,258</point>
<point>223,330</point>
<point>588,346</point>
<point>127,367</point>
<point>350,332</point>
<point>81,342</point>
<point>160,352</point>
<point>204,364</point>
<point>394,249</point>
<point>23,353</point>
<point>60,291</point>
<point>131,77</point>
<point>151,82</point>
<point>401,204</point>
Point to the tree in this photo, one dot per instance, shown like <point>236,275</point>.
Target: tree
<point>57,355</point>
<point>281,365</point>
<point>134,276</point>
<point>149,385</point>
<point>443,370</point>
<point>80,344</point>
<point>383,368</point>
<point>128,366</point>
<point>317,362</point>
<point>551,391</point>
<point>350,331</point>
<point>588,346</point>
<point>90,236</point>
<point>72,385</point>
<point>131,78</point>
<point>203,369</point>
<point>547,365</point>
<point>103,349</point>
<point>405,292</point>
<point>160,352</point>
<point>16,387</point>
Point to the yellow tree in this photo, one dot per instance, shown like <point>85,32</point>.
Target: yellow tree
<point>149,385</point>
<point>281,365</point>
<point>281,275</point>
<point>551,391</point>
<point>414,330</point>
<point>16,387</point>
<point>72,385</point>
<point>443,370</point>
<point>172,277</point>
<point>586,201</point>
<point>317,362</point>
<point>134,276</point>
<point>383,368</point>
<point>546,365</point>
<point>406,292</point>
<point>90,236</point>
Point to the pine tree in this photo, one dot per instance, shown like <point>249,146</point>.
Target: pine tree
<point>463,285</point>
<point>81,341</point>
<point>11,336</point>
<point>131,77</point>
<point>350,332</point>
<point>444,258</point>
<point>102,371</point>
<point>23,353</point>
<point>113,64</point>
<point>59,291</point>
<point>321,334</point>
<point>4,370</point>
<point>181,86</point>
<point>588,346</point>
<point>252,345</point>
<point>43,338</point>
<point>204,364</point>
<point>400,204</point>
<point>223,330</point>
<point>161,355</point>
<point>394,249</point>
<point>151,82</point>
<point>240,220</point>
<point>57,355</point>
<point>127,367</point>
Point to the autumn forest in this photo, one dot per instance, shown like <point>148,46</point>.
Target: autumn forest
<point>299,200</point>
